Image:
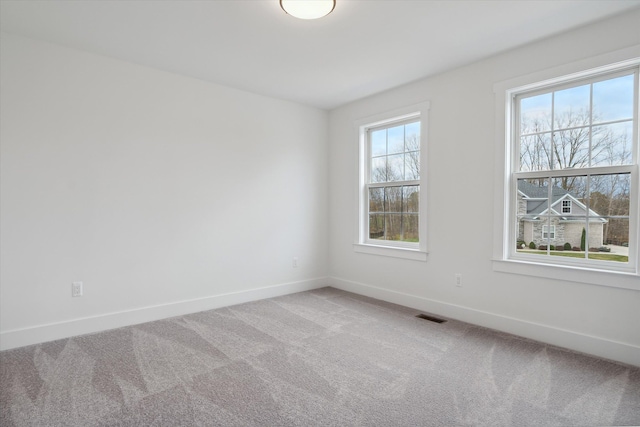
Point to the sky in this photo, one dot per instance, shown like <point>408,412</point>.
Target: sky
<point>612,100</point>
<point>613,112</point>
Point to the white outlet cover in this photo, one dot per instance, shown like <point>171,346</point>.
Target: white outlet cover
<point>76,289</point>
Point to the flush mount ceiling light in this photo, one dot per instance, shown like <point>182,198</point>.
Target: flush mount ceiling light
<point>308,9</point>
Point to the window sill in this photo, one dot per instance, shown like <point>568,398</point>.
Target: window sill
<point>405,253</point>
<point>612,279</point>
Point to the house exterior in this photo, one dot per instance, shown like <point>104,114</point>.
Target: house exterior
<point>563,224</point>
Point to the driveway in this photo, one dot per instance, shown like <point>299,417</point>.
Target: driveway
<point>620,250</point>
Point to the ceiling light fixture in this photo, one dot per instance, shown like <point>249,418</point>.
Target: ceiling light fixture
<point>308,9</point>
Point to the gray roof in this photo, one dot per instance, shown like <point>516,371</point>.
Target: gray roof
<point>532,191</point>
<point>536,197</point>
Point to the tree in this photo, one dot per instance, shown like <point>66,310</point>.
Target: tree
<point>573,144</point>
<point>412,157</point>
<point>576,144</point>
<point>394,209</point>
<point>583,240</point>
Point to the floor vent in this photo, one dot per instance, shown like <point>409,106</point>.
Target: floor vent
<point>430,318</point>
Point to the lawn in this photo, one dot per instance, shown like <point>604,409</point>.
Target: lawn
<point>598,255</point>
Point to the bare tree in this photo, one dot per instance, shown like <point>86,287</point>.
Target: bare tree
<point>573,144</point>
<point>396,207</point>
<point>412,159</point>
<point>576,144</point>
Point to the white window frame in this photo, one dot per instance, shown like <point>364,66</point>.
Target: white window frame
<point>569,206</point>
<point>505,257</point>
<point>551,234</point>
<point>396,249</point>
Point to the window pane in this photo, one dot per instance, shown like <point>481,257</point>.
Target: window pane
<point>610,195</point>
<point>531,192</point>
<point>379,169</point>
<point>611,144</point>
<point>412,165</point>
<point>379,143</point>
<point>412,136</point>
<point>608,239</point>
<point>410,209</point>
<point>594,238</point>
<point>376,226</point>
<point>395,167</point>
<point>546,231</point>
<point>616,238</point>
<point>524,233</point>
<point>535,152</point>
<point>376,200</point>
<point>410,228</point>
<point>376,215</point>
<point>393,226</point>
<point>571,107</point>
<point>613,99</point>
<point>535,114</point>
<point>411,199</point>
<point>393,200</point>
<point>568,234</point>
<point>571,148</point>
<point>571,190</point>
<point>395,139</point>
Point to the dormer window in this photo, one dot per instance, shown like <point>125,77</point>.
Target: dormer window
<point>566,206</point>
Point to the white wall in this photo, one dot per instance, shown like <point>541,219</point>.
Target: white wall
<point>165,195</point>
<point>460,170</point>
<point>151,188</point>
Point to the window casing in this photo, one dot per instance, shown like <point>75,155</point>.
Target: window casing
<point>392,202</point>
<point>575,136</point>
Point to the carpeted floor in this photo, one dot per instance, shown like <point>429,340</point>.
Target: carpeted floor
<point>317,358</point>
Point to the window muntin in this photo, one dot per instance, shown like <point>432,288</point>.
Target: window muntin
<point>577,142</point>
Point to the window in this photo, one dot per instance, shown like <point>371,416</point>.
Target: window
<point>573,144</point>
<point>392,212</point>
<point>393,186</point>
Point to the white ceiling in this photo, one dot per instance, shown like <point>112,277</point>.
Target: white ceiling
<point>363,47</point>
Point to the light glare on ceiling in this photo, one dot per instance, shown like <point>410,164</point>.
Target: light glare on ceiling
<point>308,9</point>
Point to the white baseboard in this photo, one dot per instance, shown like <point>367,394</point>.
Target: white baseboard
<point>53,331</point>
<point>613,350</point>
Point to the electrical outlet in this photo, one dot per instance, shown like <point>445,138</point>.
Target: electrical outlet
<point>294,263</point>
<point>459,280</point>
<point>76,289</point>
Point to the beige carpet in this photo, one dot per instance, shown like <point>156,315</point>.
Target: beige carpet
<point>317,358</point>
